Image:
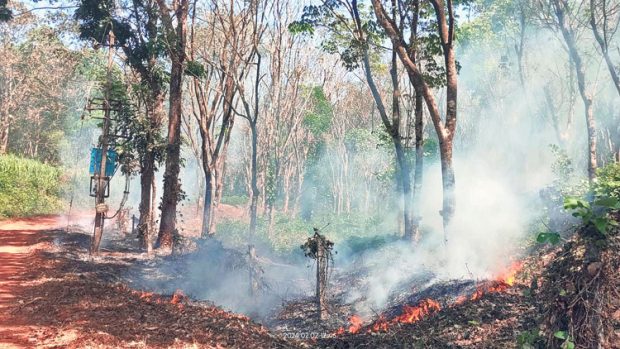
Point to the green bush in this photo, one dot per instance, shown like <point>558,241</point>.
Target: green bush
<point>351,233</point>
<point>233,233</point>
<point>235,200</point>
<point>596,207</point>
<point>607,182</point>
<point>28,187</point>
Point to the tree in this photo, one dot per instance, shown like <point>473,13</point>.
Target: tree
<point>604,21</point>
<point>353,37</point>
<point>561,16</point>
<point>227,48</point>
<point>174,21</point>
<point>444,37</point>
<point>251,115</point>
<point>5,13</point>
<point>37,72</point>
<point>286,141</point>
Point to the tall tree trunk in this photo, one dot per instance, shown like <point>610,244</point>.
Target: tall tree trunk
<point>592,137</point>
<point>254,163</point>
<point>176,36</point>
<point>391,126</point>
<point>146,180</point>
<point>445,130</point>
<point>554,117</point>
<point>446,146</point>
<point>255,191</point>
<point>207,208</point>
<point>286,191</point>
<point>560,7</point>
<point>418,176</point>
<point>404,171</point>
<point>405,179</point>
<point>154,111</point>
<point>217,198</point>
<point>447,178</point>
<point>154,216</point>
<point>172,186</point>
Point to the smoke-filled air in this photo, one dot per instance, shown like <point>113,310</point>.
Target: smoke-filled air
<point>310,174</point>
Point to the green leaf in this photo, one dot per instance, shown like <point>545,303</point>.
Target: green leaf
<point>572,203</point>
<point>300,27</point>
<point>608,202</point>
<point>560,335</point>
<point>195,69</point>
<point>552,238</point>
<point>601,224</point>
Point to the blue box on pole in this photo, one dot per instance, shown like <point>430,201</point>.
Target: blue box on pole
<point>95,162</point>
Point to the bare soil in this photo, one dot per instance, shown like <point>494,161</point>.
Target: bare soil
<point>53,295</point>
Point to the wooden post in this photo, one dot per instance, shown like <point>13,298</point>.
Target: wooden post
<point>319,249</point>
<point>321,276</point>
<point>102,180</point>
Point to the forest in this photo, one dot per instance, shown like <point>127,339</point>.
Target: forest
<point>310,174</point>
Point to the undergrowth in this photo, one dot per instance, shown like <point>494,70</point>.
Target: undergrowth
<point>352,233</point>
<point>580,290</point>
<point>28,187</point>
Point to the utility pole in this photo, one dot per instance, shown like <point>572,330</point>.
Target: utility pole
<point>102,180</point>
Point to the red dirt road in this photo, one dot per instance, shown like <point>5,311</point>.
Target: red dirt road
<point>18,240</point>
<point>53,295</point>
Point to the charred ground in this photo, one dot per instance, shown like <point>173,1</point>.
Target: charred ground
<point>61,297</point>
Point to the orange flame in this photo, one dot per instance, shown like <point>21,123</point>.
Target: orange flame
<point>428,306</point>
<point>380,325</point>
<point>146,295</point>
<point>412,314</point>
<point>356,324</point>
<point>505,280</point>
<point>460,300</point>
<point>178,297</point>
<point>509,275</point>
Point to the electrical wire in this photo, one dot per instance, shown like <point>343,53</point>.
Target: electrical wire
<point>124,199</point>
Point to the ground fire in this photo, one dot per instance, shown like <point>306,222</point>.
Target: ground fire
<point>409,315</point>
<point>177,298</point>
<point>413,313</point>
<point>505,280</point>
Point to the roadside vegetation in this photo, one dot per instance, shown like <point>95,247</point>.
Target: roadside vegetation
<point>29,187</point>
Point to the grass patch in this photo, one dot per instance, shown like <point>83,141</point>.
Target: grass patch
<point>28,187</point>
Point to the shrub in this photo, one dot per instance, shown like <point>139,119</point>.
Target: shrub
<point>233,233</point>
<point>352,233</point>
<point>235,200</point>
<point>28,187</point>
<point>597,207</point>
<point>607,182</point>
